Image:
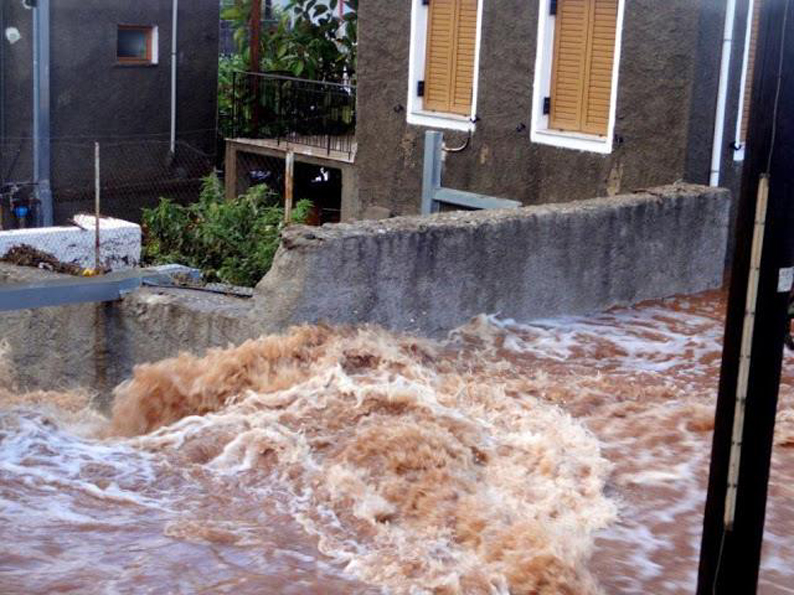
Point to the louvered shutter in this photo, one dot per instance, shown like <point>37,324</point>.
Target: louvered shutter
<point>584,52</point>
<point>601,55</point>
<point>751,54</point>
<point>570,55</point>
<point>449,65</point>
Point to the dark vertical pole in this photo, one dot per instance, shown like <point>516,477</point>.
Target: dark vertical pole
<point>731,546</point>
<point>234,104</point>
<point>256,36</point>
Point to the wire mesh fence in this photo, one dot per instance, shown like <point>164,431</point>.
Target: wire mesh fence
<point>133,174</point>
<point>118,178</point>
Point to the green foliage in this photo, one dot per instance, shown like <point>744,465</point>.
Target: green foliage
<point>308,39</point>
<point>231,241</point>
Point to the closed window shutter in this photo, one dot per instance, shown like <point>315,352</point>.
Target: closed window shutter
<point>751,54</point>
<point>466,41</point>
<point>449,65</point>
<point>584,53</point>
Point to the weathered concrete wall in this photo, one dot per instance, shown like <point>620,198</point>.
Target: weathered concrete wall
<point>424,274</point>
<point>120,242</point>
<point>658,113</point>
<point>434,273</point>
<point>97,345</point>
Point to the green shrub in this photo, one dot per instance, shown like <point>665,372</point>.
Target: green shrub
<point>231,241</point>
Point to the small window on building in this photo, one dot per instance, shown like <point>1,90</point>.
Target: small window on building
<point>136,44</point>
<point>443,69</point>
<point>746,93</point>
<point>576,73</point>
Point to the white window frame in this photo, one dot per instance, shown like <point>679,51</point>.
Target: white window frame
<point>544,58</point>
<point>415,113</point>
<point>738,144</point>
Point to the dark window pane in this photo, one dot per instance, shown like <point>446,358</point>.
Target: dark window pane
<point>133,44</point>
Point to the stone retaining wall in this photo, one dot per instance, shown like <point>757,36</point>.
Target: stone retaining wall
<point>432,274</point>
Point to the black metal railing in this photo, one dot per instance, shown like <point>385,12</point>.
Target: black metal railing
<point>288,109</point>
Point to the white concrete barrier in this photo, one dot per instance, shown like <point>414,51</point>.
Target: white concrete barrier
<point>120,242</point>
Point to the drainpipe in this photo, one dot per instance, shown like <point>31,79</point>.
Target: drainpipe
<point>41,111</point>
<point>722,95</point>
<point>174,22</point>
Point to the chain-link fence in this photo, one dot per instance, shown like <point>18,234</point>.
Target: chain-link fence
<point>133,174</point>
<point>117,178</point>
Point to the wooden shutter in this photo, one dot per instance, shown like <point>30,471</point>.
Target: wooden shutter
<point>584,53</point>
<point>751,54</point>
<point>449,64</point>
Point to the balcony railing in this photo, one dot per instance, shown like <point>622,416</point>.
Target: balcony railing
<point>292,110</point>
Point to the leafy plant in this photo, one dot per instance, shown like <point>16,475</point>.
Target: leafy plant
<point>308,39</point>
<point>232,241</point>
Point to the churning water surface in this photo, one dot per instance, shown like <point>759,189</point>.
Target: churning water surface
<point>567,456</point>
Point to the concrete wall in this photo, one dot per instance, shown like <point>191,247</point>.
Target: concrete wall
<point>665,108</point>
<point>431,274</point>
<point>97,345</point>
<point>95,98</point>
<point>424,274</point>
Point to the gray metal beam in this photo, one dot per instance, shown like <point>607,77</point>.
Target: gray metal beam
<point>431,176</point>
<point>62,292</point>
<point>471,200</point>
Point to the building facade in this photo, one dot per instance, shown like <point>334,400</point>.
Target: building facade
<point>558,99</point>
<point>110,80</point>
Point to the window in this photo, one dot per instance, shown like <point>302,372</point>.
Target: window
<point>576,73</point>
<point>746,93</point>
<point>445,39</point>
<point>136,45</point>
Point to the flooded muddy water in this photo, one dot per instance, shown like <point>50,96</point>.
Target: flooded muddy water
<point>563,456</point>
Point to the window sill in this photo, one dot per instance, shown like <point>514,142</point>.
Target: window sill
<point>440,120</point>
<point>573,140</point>
<point>135,64</point>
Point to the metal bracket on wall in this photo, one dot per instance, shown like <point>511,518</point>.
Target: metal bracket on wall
<point>434,195</point>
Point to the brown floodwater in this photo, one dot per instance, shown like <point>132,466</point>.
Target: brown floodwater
<point>567,456</point>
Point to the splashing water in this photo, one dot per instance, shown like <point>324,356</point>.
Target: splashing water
<point>566,456</point>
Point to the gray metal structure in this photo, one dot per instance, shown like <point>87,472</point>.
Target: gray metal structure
<point>434,195</point>
<point>76,290</point>
<point>41,110</point>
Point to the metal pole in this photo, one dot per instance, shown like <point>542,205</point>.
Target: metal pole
<point>41,111</point>
<point>96,207</point>
<point>761,282</point>
<point>431,176</point>
<point>174,30</point>
<point>289,173</point>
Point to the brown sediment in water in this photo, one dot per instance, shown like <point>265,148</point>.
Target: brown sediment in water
<point>493,462</point>
<point>441,480</point>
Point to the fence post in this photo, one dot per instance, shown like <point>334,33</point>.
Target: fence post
<point>431,176</point>
<point>96,207</point>
<point>289,173</point>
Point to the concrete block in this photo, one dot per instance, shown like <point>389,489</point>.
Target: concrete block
<point>120,242</point>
